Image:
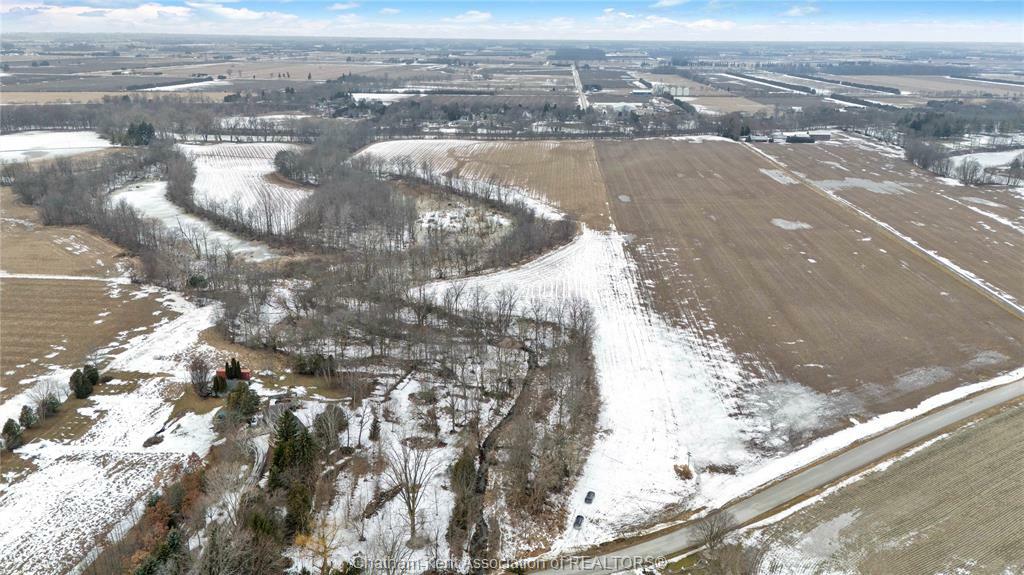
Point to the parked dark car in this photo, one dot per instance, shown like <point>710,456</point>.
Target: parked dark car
<point>578,523</point>
<point>589,498</point>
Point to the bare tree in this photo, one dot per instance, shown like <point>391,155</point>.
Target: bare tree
<point>712,529</point>
<point>388,553</point>
<point>199,366</point>
<point>409,469</point>
<point>322,541</point>
<point>969,172</point>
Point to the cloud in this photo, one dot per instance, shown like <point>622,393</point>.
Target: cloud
<point>668,3</point>
<point>471,16</point>
<point>800,11</point>
<point>241,14</point>
<point>610,14</point>
<point>389,11</point>
<point>343,6</point>
<point>705,24</point>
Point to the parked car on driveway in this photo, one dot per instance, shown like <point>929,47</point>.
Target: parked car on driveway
<point>578,523</point>
<point>589,498</point>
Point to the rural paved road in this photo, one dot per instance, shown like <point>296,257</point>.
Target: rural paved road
<point>751,507</point>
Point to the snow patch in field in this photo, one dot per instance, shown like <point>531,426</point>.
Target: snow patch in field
<point>790,224</point>
<point>189,87</point>
<point>989,159</point>
<point>382,97</point>
<point>982,201</point>
<point>884,187</point>
<point>779,176</point>
<point>23,146</point>
<point>150,198</point>
<point>80,488</point>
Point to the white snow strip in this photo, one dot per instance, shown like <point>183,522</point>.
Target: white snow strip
<point>113,280</point>
<point>190,87</point>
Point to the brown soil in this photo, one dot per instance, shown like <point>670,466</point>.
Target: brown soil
<point>955,505</point>
<point>979,244</point>
<point>854,319</point>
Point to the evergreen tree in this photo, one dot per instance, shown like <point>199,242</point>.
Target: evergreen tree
<point>28,417</point>
<point>12,434</point>
<point>299,503</point>
<point>92,375</point>
<point>51,404</point>
<point>243,400</point>
<point>80,386</point>
<point>220,385</point>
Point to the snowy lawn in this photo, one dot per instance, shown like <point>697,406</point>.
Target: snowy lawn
<point>22,146</point>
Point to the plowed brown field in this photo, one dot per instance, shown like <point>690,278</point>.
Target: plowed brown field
<point>799,286</point>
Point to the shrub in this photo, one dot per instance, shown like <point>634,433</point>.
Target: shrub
<point>80,385</point>
<point>28,417</point>
<point>244,401</point>
<point>51,404</point>
<point>92,375</point>
<point>220,385</point>
<point>374,428</point>
<point>12,434</point>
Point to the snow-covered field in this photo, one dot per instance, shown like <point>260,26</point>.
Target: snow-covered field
<point>440,160</point>
<point>383,97</point>
<point>150,199</point>
<point>190,87</point>
<point>276,120</point>
<point>22,146</point>
<point>234,175</point>
<point>665,396</point>
<point>668,397</point>
<point>989,159</point>
<point>79,488</point>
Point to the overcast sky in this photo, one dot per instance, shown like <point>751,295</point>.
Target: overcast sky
<point>812,20</point>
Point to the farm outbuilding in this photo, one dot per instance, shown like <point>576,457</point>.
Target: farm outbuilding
<point>246,374</point>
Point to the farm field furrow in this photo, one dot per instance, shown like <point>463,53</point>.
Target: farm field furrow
<point>955,222</point>
<point>804,291</point>
<point>954,506</point>
<point>936,85</point>
<point>233,178</point>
